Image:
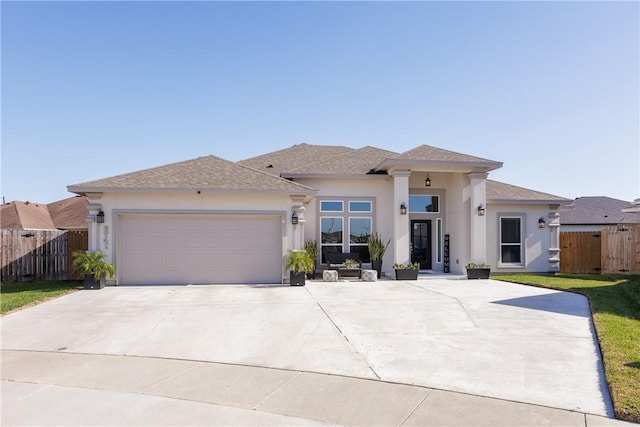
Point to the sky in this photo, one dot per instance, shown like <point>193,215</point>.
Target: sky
<point>95,89</point>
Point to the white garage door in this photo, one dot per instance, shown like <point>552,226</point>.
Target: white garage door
<point>199,249</point>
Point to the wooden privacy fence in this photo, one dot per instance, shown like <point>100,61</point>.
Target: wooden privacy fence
<point>39,254</point>
<point>614,250</point>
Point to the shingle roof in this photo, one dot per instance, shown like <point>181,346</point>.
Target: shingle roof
<point>428,155</point>
<point>360,162</point>
<point>25,215</point>
<point>294,157</point>
<point>63,214</point>
<point>204,173</point>
<point>501,192</point>
<point>596,210</point>
<point>69,213</point>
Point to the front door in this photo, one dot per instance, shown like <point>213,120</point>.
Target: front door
<point>421,243</point>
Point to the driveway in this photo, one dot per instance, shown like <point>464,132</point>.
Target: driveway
<point>481,337</point>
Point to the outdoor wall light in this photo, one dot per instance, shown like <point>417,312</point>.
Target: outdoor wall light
<point>481,210</point>
<point>427,182</point>
<point>294,218</point>
<point>403,209</point>
<point>541,222</point>
<point>100,217</point>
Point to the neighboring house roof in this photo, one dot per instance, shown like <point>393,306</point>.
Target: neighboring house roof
<point>596,210</point>
<point>293,158</point>
<point>25,215</point>
<point>69,213</point>
<point>209,174</point>
<point>354,162</point>
<point>499,192</point>
<point>428,156</point>
<point>64,214</point>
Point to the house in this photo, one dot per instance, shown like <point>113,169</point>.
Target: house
<point>591,213</point>
<point>66,214</point>
<point>209,220</point>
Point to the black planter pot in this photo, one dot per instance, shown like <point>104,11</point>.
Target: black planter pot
<point>296,279</point>
<point>377,266</point>
<point>407,274</point>
<point>91,283</point>
<point>478,273</point>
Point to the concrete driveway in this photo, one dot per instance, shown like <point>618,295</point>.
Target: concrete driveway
<point>482,337</point>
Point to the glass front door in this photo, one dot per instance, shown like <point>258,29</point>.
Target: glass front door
<point>421,243</point>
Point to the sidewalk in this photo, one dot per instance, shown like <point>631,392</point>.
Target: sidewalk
<point>54,388</point>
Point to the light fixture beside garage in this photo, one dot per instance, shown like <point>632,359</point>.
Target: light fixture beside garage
<point>481,210</point>
<point>541,222</point>
<point>100,217</point>
<point>294,218</point>
<point>427,182</point>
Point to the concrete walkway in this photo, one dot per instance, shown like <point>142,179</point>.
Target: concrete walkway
<point>80,389</point>
<point>384,349</point>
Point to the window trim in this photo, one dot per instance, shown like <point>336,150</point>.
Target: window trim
<point>521,244</point>
<point>360,201</point>
<point>349,231</point>
<point>332,201</point>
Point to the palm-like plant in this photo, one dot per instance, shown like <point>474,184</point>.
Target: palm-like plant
<point>92,263</point>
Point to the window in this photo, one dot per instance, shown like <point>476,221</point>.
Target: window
<point>346,230</point>
<point>511,240</point>
<point>359,232</point>
<point>331,206</point>
<point>359,206</point>
<point>419,203</point>
<point>331,236</point>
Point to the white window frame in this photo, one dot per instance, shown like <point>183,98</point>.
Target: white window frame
<point>522,218</point>
<point>349,244</point>
<point>332,201</point>
<point>361,201</point>
<point>341,244</point>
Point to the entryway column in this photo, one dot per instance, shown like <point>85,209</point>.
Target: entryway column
<point>401,237</point>
<point>478,218</point>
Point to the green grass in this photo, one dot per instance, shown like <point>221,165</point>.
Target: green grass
<point>615,305</point>
<point>15,295</point>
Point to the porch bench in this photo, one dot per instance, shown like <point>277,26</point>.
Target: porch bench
<point>336,262</point>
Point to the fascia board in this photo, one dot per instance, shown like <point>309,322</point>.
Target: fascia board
<point>442,164</point>
<point>304,191</point>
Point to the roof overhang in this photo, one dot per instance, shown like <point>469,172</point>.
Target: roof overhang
<point>437,165</point>
<point>529,202</point>
<point>89,190</point>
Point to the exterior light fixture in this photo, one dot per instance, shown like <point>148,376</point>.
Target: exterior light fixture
<point>481,210</point>
<point>541,222</point>
<point>427,182</point>
<point>294,218</point>
<point>100,217</point>
<point>403,209</point>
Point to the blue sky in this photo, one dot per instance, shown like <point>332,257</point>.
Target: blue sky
<point>95,89</point>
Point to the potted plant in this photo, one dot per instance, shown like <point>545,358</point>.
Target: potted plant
<point>377,249</point>
<point>408,271</point>
<point>93,267</point>
<point>478,271</point>
<point>311,246</point>
<point>299,264</point>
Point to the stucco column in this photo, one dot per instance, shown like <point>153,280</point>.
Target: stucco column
<point>477,222</point>
<point>401,237</point>
<point>93,227</point>
<point>298,229</point>
<point>554,238</point>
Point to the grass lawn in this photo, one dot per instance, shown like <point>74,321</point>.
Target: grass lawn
<point>14,295</point>
<point>615,305</point>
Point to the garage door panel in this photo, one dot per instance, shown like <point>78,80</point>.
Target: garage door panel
<point>182,249</point>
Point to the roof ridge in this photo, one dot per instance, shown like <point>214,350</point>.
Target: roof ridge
<point>448,151</point>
